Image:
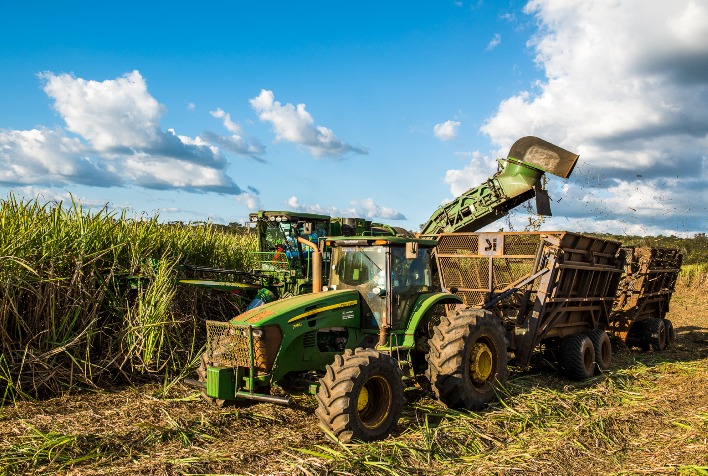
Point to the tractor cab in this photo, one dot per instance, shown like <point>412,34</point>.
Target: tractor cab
<point>390,274</point>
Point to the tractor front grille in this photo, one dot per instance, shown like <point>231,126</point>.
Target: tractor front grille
<point>228,346</point>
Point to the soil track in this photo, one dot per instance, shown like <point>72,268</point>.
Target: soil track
<point>652,416</point>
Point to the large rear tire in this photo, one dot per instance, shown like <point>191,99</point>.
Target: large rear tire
<point>654,334</point>
<point>577,357</point>
<point>467,362</point>
<point>361,395</point>
<point>602,347</point>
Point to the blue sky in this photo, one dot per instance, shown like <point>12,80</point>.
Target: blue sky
<point>376,109</point>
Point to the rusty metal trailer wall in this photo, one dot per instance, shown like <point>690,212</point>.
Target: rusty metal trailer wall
<point>572,281</point>
<point>646,286</point>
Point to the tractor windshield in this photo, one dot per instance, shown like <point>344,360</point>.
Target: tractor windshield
<point>388,281</point>
<point>363,268</point>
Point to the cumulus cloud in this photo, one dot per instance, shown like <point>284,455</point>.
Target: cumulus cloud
<point>112,138</point>
<point>250,200</point>
<point>365,208</point>
<point>446,130</point>
<point>294,124</point>
<point>235,143</point>
<point>478,169</point>
<point>626,87</point>
<point>494,42</point>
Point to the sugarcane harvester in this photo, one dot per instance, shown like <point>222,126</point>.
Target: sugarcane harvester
<point>282,264</point>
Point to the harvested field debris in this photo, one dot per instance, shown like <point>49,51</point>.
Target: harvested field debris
<point>648,414</point>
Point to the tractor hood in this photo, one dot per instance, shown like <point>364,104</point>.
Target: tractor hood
<point>293,310</point>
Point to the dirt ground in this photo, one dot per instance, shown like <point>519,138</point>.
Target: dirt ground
<point>131,431</point>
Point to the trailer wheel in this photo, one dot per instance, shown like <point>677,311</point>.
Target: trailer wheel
<point>468,359</point>
<point>577,357</point>
<point>603,348</point>
<point>670,334</point>
<point>361,395</point>
<point>654,334</point>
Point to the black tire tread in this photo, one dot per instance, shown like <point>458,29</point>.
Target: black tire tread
<point>572,359</point>
<point>336,400</point>
<point>446,362</point>
<point>600,340</point>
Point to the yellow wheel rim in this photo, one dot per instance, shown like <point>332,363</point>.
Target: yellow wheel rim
<point>481,362</point>
<point>374,401</point>
<point>363,399</point>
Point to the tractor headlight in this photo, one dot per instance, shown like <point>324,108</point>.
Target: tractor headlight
<point>257,333</point>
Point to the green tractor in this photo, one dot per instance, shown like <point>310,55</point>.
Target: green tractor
<point>378,326</point>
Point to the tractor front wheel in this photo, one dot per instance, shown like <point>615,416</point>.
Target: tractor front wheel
<point>361,395</point>
<point>468,359</point>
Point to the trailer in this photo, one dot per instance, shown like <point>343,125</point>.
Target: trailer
<point>639,313</point>
<point>550,290</point>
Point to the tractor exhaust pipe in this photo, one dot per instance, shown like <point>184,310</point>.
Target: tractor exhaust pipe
<point>316,264</point>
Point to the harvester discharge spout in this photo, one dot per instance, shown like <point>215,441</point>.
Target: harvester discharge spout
<point>520,179</point>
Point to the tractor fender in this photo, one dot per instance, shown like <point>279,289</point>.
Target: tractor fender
<point>423,304</point>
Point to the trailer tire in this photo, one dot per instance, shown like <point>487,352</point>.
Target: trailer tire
<point>577,357</point>
<point>467,362</point>
<point>361,395</point>
<point>654,334</point>
<point>670,334</point>
<point>603,349</point>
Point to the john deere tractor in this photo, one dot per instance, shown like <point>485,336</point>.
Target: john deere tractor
<point>376,328</point>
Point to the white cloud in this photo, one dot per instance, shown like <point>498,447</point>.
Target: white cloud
<point>474,173</point>
<point>228,123</point>
<point>446,130</point>
<point>191,106</point>
<point>294,124</point>
<point>369,209</point>
<point>117,113</point>
<point>494,42</point>
<point>626,87</point>
<point>365,208</point>
<point>118,142</point>
<point>249,200</point>
<point>235,142</point>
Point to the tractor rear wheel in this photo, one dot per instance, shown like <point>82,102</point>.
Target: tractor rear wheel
<point>654,334</point>
<point>602,347</point>
<point>467,362</point>
<point>670,334</point>
<point>361,395</point>
<point>577,357</point>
